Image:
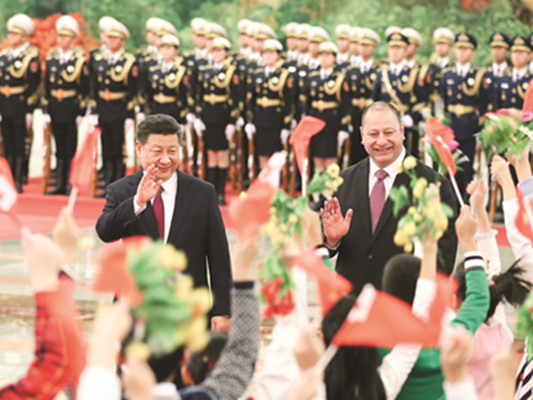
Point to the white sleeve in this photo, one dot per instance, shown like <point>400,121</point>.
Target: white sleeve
<point>488,247</point>
<point>463,390</point>
<point>397,365</point>
<point>520,244</point>
<point>97,382</point>
<point>136,208</point>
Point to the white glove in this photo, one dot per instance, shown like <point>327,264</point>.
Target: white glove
<point>93,119</point>
<point>190,117</point>
<point>284,136</point>
<point>250,130</point>
<point>350,128</point>
<point>29,120</point>
<point>341,137</point>
<point>137,109</point>
<point>230,131</point>
<point>293,124</point>
<point>240,122</point>
<point>199,127</point>
<point>128,124</point>
<point>46,119</point>
<point>407,121</point>
<point>79,118</point>
<point>139,117</point>
<point>0,117</point>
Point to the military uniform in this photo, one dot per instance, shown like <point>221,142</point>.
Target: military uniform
<point>20,75</point>
<point>494,72</point>
<point>270,102</point>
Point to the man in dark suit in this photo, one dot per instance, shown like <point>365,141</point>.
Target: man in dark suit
<point>365,244</point>
<point>162,202</point>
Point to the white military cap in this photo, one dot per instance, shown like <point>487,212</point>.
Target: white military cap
<point>216,30</point>
<point>170,40</point>
<point>443,35</point>
<point>392,29</point>
<point>242,26</point>
<point>318,34</point>
<point>166,28</point>
<point>304,31</point>
<point>265,32</point>
<point>105,23</point>
<point>291,29</point>
<point>368,36</point>
<point>342,31</point>
<point>199,26</point>
<point>273,45</point>
<point>20,23</point>
<point>221,43</point>
<point>67,25</point>
<point>153,24</point>
<point>118,29</point>
<point>328,47</point>
<point>354,34</point>
<point>413,36</point>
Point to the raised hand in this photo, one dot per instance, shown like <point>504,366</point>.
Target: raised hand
<point>335,225</point>
<point>149,186</point>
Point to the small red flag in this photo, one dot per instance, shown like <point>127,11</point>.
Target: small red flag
<point>301,137</point>
<point>441,137</point>
<point>252,210</point>
<point>8,192</point>
<point>379,319</point>
<point>113,275</point>
<point>331,286</point>
<point>528,99</point>
<point>84,161</point>
<point>523,220</point>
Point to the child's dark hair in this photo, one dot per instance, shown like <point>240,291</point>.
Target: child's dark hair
<point>201,363</point>
<point>400,276</point>
<point>352,374</point>
<point>508,285</point>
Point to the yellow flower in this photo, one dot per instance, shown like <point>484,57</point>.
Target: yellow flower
<point>438,234</point>
<point>333,170</point>
<point>273,210</point>
<point>417,217</point>
<point>409,162</point>
<point>284,228</point>
<point>138,350</point>
<point>408,247</point>
<point>327,184</point>
<point>399,168</point>
<point>412,210</point>
<point>442,223</point>
<point>339,181</point>
<point>242,195</point>
<point>293,219</point>
<point>200,300</point>
<point>400,238</point>
<point>419,188</point>
<point>199,342</point>
<point>409,228</point>
<point>85,243</point>
<point>171,258</point>
<point>195,331</point>
<point>184,286</point>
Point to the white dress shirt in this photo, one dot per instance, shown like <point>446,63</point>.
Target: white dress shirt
<point>410,63</point>
<point>343,57</point>
<point>519,73</point>
<point>365,66</point>
<point>168,195</point>
<point>391,170</point>
<point>396,68</point>
<point>113,57</point>
<point>65,56</point>
<point>462,70</point>
<point>443,62</point>
<point>325,73</point>
<point>14,53</point>
<point>498,69</point>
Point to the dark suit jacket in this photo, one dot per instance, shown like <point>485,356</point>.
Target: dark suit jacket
<point>362,255</point>
<point>197,229</point>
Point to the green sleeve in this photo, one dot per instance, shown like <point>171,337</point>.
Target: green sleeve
<point>474,309</point>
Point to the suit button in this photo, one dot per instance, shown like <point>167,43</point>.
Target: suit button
<point>370,256</point>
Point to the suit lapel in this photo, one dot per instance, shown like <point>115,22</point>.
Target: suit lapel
<point>181,206</point>
<point>362,202</point>
<point>147,217</point>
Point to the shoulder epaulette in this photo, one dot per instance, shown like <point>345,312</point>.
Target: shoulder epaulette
<point>53,53</point>
<point>314,73</point>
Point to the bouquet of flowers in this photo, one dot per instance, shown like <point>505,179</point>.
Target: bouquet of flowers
<point>426,214</point>
<point>285,221</point>
<point>507,132</point>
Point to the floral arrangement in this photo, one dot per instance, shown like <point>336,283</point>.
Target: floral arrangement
<point>507,132</point>
<point>285,221</point>
<point>426,214</point>
<point>525,324</point>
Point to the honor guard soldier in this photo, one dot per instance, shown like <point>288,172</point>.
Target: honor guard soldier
<point>20,75</point>
<point>303,44</point>
<point>463,95</point>
<point>326,96</point>
<point>355,58</point>
<point>166,89</point>
<point>361,80</point>
<point>291,33</point>
<point>499,50</point>
<point>270,103</point>
<point>396,83</point>
<point>342,32</point>
<point>443,39</point>
<point>115,81</point>
<point>217,110</point>
<point>512,86</point>
<point>317,35</point>
<point>66,91</point>
<point>415,41</point>
<point>530,40</point>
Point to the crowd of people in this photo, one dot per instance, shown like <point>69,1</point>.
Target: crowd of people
<point>240,105</point>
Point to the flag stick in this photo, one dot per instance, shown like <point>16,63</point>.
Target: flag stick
<point>72,198</point>
<point>326,357</point>
<point>304,176</point>
<point>456,188</point>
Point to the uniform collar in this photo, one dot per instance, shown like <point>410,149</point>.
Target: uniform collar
<point>410,63</point>
<point>19,50</point>
<point>443,61</point>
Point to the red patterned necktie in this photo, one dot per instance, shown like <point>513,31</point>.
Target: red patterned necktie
<point>159,213</point>
<point>377,197</point>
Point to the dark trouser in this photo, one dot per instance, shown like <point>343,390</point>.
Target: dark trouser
<point>66,138</point>
<point>412,137</point>
<point>463,178</point>
<point>112,140</point>
<point>13,135</point>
